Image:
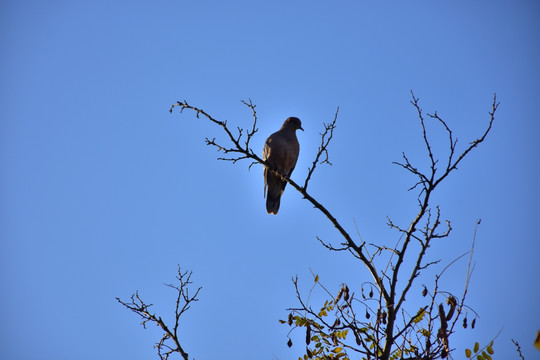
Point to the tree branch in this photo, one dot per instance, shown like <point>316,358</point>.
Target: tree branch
<point>183,303</point>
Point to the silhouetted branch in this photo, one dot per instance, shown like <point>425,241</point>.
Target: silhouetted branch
<point>518,349</point>
<point>183,303</point>
<point>326,137</point>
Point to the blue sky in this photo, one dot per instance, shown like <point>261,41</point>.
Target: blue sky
<point>104,192</point>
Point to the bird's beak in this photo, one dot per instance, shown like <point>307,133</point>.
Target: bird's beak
<point>300,128</point>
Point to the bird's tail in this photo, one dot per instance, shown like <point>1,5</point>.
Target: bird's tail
<point>273,198</point>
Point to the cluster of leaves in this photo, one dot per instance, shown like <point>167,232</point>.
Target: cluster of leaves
<point>480,354</point>
<point>326,342</point>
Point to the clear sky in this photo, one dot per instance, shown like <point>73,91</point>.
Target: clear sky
<point>103,192</point>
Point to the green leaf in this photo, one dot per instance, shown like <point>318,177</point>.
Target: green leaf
<point>419,316</point>
<point>490,350</point>
<point>486,356</point>
<point>476,347</point>
<point>317,278</point>
<point>337,350</point>
<point>468,353</point>
<point>480,357</point>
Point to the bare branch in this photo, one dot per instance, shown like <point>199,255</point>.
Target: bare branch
<point>518,349</point>
<point>254,129</point>
<point>183,303</point>
<point>325,141</point>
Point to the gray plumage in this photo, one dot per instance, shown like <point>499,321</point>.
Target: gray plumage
<point>281,151</point>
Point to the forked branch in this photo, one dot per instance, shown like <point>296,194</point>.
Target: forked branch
<point>169,342</point>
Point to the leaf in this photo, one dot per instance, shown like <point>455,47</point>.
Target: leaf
<point>419,315</point>
<point>317,278</point>
<point>486,356</point>
<point>337,350</point>
<point>476,347</point>
<point>282,321</point>
<point>468,353</point>
<point>479,357</point>
<point>490,350</point>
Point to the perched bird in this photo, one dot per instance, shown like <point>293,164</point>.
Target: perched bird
<point>281,152</point>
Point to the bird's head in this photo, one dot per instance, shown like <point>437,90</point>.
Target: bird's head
<point>294,122</point>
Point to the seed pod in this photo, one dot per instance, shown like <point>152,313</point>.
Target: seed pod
<point>289,343</point>
<point>444,325</point>
<point>465,322</point>
<point>358,341</point>
<point>334,339</point>
<point>290,319</point>
<point>338,296</point>
<point>367,314</point>
<point>473,323</point>
<point>424,291</point>
<point>371,293</point>
<point>452,302</point>
<point>346,293</point>
<point>308,334</point>
<point>308,352</point>
<point>444,353</point>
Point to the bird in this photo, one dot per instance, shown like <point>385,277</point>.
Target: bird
<point>280,151</point>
